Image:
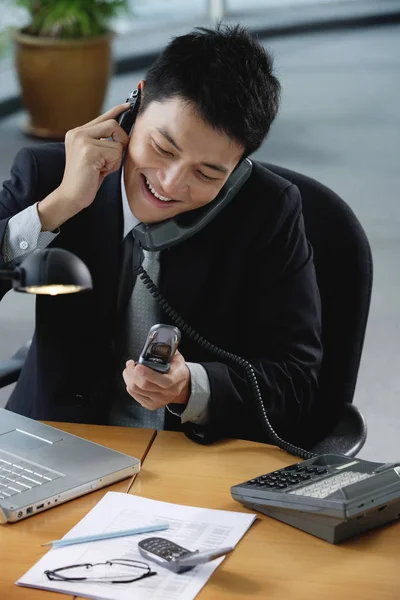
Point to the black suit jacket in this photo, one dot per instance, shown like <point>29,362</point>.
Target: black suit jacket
<point>246,282</point>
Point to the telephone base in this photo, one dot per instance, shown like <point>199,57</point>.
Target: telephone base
<point>331,529</point>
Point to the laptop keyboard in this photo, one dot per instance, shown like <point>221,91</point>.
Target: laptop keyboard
<point>18,475</point>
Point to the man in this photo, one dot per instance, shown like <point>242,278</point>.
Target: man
<point>245,282</point>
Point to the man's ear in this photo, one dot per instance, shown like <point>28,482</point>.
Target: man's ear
<point>141,85</point>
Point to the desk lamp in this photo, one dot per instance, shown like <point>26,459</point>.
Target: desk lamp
<point>51,271</point>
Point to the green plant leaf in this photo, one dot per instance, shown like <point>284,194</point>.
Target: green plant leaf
<point>4,42</point>
<point>72,18</point>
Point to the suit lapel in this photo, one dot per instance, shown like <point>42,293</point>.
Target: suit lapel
<point>184,278</point>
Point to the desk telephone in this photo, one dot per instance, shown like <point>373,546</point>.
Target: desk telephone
<point>330,496</point>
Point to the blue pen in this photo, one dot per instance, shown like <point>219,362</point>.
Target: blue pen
<point>105,536</point>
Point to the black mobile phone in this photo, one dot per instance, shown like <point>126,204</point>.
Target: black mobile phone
<point>174,557</point>
<point>127,119</point>
<point>159,348</point>
<point>163,552</point>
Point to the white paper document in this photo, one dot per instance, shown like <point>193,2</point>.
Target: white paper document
<point>193,528</point>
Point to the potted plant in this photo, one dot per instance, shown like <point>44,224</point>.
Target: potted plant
<point>63,61</point>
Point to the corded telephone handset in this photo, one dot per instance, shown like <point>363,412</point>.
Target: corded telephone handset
<point>331,496</point>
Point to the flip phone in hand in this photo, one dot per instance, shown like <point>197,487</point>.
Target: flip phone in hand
<point>159,349</point>
<point>175,557</point>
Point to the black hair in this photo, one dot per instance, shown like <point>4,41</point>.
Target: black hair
<point>227,74</point>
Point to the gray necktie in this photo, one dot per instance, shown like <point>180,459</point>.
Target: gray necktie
<point>138,314</point>
<point>132,256</point>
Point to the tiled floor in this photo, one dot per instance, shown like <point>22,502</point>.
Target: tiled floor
<point>340,124</point>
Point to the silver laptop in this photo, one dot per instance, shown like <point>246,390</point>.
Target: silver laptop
<point>41,467</point>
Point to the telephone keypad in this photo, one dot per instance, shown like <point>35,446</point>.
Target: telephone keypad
<point>303,480</point>
<point>325,487</point>
<point>291,476</point>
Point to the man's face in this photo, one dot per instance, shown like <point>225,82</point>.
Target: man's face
<point>175,161</point>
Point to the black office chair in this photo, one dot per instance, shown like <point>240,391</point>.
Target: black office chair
<point>343,264</point>
<point>11,368</point>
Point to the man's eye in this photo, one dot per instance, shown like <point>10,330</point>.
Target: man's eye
<point>161,150</point>
<point>206,177</point>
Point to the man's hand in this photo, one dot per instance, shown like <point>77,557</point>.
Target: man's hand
<point>153,389</point>
<point>90,157</point>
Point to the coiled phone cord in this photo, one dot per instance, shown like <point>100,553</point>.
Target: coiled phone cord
<point>233,358</point>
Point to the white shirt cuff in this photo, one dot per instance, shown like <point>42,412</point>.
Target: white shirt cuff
<point>196,410</point>
<point>23,235</point>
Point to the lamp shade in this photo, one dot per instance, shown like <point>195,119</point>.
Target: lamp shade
<point>51,271</point>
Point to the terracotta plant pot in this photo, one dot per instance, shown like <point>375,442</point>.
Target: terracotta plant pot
<point>63,81</point>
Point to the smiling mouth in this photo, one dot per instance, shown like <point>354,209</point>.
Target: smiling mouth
<point>155,193</point>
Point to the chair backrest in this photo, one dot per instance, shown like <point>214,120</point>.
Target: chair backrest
<point>343,264</point>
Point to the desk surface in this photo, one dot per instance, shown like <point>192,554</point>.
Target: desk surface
<point>273,560</point>
<point>20,543</point>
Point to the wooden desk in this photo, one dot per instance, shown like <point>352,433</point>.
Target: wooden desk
<point>20,543</point>
<point>273,561</point>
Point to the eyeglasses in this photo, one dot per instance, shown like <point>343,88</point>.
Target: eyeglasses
<point>116,570</point>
